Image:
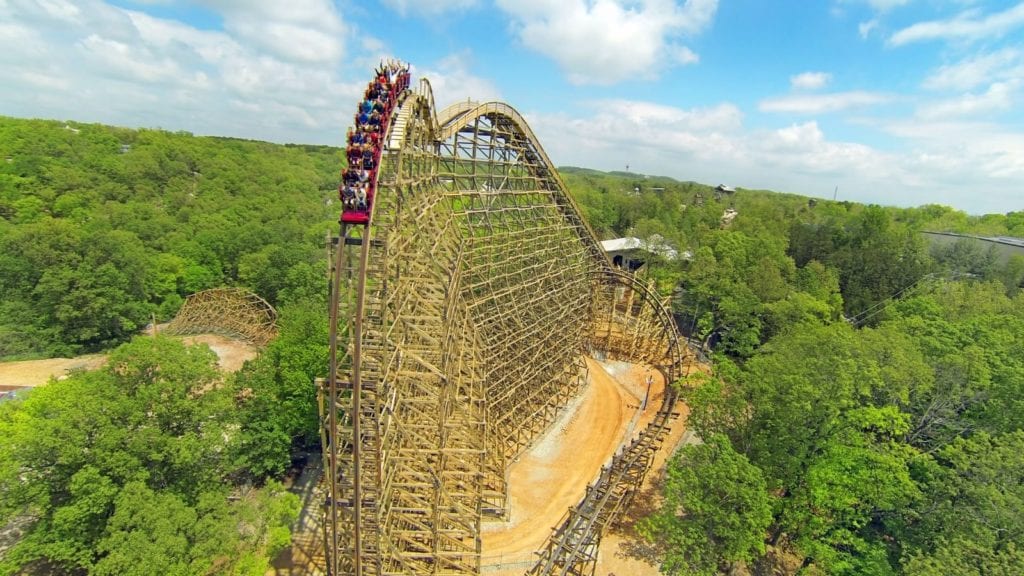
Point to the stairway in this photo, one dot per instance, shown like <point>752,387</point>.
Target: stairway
<point>396,137</point>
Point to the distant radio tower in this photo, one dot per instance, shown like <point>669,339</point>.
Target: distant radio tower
<point>834,194</point>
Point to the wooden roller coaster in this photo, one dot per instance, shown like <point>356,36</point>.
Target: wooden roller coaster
<point>231,312</point>
<point>466,289</point>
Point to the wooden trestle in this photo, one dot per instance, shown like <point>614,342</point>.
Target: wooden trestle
<point>459,319</point>
<point>233,312</point>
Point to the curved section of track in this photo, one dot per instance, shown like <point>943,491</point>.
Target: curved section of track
<point>631,324</point>
<point>231,312</point>
<point>460,313</point>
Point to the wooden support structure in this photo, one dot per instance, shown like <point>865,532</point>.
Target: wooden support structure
<point>231,312</point>
<point>460,314</point>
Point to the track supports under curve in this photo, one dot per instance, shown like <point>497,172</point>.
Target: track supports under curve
<point>455,327</point>
<point>572,547</point>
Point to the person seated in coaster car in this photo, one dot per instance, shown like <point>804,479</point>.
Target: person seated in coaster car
<point>361,204</point>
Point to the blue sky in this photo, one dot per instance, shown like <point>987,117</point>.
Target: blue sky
<point>899,102</point>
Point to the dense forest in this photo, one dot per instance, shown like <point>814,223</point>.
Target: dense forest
<point>865,413</point>
<point>157,463</point>
<point>102,228</point>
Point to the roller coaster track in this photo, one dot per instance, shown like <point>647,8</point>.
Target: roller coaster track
<point>572,547</point>
<point>460,315</point>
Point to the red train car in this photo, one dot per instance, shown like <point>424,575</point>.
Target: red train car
<point>363,151</point>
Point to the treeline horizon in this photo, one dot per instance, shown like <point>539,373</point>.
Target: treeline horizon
<point>157,463</point>
<point>865,414</point>
<point>888,445</point>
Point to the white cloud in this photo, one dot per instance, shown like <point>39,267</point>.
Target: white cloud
<point>998,97</point>
<point>704,144</point>
<point>931,162</point>
<point>46,81</point>
<point>94,62</point>
<point>127,68</point>
<point>969,26</point>
<point>865,28</point>
<point>653,138</point>
<point>428,8</point>
<point>886,5</point>
<point>645,118</point>
<point>60,9</point>
<point>27,41</point>
<point>451,80</point>
<point>798,137</point>
<point>609,41</point>
<point>803,149</point>
<point>295,31</point>
<point>682,55</point>
<point>822,103</point>
<point>127,62</point>
<point>810,80</point>
<point>1005,64</point>
<point>878,5</point>
<point>969,154</point>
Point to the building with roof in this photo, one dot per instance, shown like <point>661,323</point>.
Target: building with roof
<point>631,253</point>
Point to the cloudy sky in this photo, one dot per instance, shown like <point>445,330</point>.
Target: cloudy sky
<point>899,102</point>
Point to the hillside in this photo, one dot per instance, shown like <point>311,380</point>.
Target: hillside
<point>103,228</point>
<point>865,414</point>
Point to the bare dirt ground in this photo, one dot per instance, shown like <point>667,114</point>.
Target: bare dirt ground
<point>547,479</point>
<point>543,483</point>
<point>231,355</point>
<point>31,373</point>
<point>553,474</point>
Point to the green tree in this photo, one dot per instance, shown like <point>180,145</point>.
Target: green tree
<point>716,510</point>
<point>970,519</point>
<point>103,227</point>
<point>279,413</point>
<point>124,470</point>
<point>147,534</point>
<point>861,478</point>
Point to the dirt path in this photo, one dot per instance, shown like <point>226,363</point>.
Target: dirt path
<point>554,473</point>
<point>231,355</point>
<point>546,481</point>
<point>623,551</point>
<point>32,373</point>
<point>543,483</point>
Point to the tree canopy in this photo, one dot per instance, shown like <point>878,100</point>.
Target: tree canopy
<point>868,387</point>
<point>129,469</point>
<point>102,228</point>
<point>864,416</point>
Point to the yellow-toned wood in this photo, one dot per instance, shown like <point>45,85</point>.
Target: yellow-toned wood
<point>462,315</point>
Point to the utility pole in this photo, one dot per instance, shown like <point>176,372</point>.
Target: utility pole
<point>650,380</point>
